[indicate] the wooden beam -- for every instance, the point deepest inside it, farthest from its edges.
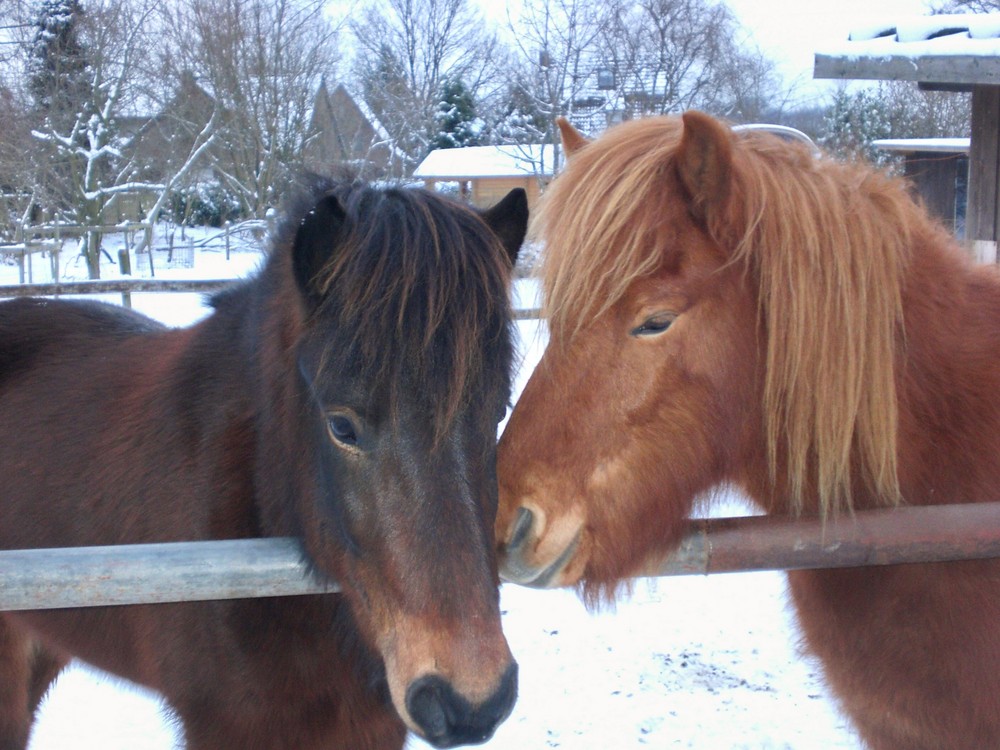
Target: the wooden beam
(111, 286)
(963, 70)
(983, 212)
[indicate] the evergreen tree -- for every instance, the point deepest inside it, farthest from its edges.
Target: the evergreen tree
(59, 76)
(521, 120)
(458, 123)
(853, 122)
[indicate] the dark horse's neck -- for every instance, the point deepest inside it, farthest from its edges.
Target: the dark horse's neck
(248, 407)
(251, 397)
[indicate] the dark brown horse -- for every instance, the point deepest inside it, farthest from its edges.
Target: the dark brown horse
(348, 396)
(727, 308)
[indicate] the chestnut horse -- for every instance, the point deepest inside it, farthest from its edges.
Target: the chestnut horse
(726, 308)
(349, 396)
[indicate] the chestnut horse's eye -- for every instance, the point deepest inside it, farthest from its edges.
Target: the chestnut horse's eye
(656, 324)
(342, 430)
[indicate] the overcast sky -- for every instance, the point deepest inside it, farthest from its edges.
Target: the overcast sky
(791, 31)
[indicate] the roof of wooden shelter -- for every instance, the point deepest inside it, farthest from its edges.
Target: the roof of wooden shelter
(949, 51)
(955, 50)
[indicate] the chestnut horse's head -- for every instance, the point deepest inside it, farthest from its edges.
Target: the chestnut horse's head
(402, 358)
(723, 308)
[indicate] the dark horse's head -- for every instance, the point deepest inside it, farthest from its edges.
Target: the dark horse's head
(401, 349)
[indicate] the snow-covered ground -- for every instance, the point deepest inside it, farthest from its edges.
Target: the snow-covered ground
(701, 662)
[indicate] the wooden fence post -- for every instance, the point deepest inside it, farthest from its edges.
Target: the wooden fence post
(983, 212)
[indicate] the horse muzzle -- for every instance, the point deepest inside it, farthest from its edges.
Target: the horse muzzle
(521, 560)
(446, 719)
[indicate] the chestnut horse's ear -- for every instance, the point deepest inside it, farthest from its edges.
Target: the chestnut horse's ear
(319, 232)
(509, 221)
(572, 139)
(704, 162)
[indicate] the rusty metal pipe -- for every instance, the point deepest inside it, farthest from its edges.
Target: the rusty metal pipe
(875, 537)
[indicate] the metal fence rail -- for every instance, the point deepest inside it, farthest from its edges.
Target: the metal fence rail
(245, 568)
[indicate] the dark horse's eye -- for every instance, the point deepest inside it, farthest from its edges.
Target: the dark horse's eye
(656, 324)
(342, 429)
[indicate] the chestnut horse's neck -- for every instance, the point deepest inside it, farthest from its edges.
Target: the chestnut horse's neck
(949, 377)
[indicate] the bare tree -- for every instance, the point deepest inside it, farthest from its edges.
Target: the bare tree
(913, 112)
(83, 164)
(672, 55)
(407, 50)
(261, 61)
(556, 41)
(598, 63)
(967, 6)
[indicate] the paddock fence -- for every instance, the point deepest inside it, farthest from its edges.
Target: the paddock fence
(163, 246)
(250, 568)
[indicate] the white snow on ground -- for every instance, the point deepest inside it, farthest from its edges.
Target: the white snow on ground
(699, 662)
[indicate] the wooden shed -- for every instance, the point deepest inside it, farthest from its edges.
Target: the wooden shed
(949, 52)
(485, 174)
(938, 170)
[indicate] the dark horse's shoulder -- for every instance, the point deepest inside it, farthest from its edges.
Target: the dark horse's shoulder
(47, 318)
(29, 326)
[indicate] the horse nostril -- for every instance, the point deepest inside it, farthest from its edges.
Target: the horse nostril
(426, 703)
(521, 529)
(447, 719)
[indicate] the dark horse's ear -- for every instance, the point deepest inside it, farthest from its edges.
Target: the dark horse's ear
(319, 232)
(509, 221)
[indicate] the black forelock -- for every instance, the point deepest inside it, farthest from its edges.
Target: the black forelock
(418, 291)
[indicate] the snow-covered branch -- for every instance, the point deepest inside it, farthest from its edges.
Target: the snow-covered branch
(201, 145)
(125, 187)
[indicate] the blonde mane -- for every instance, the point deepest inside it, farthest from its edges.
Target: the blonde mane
(825, 243)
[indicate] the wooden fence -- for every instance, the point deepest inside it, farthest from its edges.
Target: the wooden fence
(49, 238)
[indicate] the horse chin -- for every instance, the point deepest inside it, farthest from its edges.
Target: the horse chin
(543, 555)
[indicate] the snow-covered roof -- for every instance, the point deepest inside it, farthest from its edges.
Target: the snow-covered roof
(369, 114)
(931, 145)
(486, 161)
(961, 49)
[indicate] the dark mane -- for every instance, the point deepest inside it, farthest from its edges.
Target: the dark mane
(345, 396)
(413, 266)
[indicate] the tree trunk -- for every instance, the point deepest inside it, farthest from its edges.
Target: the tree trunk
(92, 251)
